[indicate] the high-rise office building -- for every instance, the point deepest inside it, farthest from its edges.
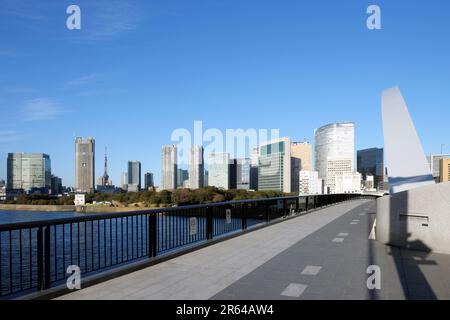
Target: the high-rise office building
(134, 176)
(445, 170)
(232, 172)
(334, 151)
(169, 167)
(254, 165)
(196, 167)
(149, 183)
(124, 181)
(206, 179)
(2, 183)
(371, 162)
(275, 166)
(301, 159)
(309, 183)
(303, 151)
(85, 165)
(28, 171)
(182, 178)
(243, 167)
(56, 185)
(219, 167)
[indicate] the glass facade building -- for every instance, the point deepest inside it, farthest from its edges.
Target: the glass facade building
(243, 167)
(371, 162)
(28, 171)
(274, 170)
(134, 176)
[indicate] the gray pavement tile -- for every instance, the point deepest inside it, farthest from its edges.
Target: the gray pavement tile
(294, 290)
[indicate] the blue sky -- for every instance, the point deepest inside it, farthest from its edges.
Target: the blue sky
(137, 70)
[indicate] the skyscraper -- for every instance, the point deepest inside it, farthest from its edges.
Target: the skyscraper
(182, 178)
(124, 182)
(335, 151)
(243, 174)
(149, 183)
(28, 171)
(254, 165)
(275, 166)
(169, 167)
(85, 165)
(301, 159)
(370, 162)
(134, 176)
(196, 167)
(218, 170)
(56, 185)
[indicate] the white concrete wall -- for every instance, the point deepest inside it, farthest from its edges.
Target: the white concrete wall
(416, 219)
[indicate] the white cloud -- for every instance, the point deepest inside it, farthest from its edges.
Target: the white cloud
(83, 80)
(9, 136)
(41, 109)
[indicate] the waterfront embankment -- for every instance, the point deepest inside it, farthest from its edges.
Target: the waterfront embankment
(37, 208)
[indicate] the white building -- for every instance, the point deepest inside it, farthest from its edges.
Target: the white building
(124, 181)
(348, 183)
(369, 183)
(335, 152)
(169, 167)
(2, 193)
(310, 183)
(196, 167)
(218, 170)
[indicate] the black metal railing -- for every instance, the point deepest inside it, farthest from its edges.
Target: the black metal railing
(36, 255)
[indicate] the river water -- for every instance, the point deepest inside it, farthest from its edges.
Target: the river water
(25, 216)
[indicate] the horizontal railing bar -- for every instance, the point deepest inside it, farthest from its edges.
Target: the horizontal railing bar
(106, 216)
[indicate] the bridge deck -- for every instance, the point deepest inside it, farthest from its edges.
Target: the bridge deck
(322, 255)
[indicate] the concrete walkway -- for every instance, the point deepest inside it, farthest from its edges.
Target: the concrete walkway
(322, 255)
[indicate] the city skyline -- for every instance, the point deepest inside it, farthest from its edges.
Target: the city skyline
(180, 64)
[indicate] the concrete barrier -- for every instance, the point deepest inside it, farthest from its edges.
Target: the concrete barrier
(416, 219)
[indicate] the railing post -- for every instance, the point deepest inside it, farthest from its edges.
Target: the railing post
(285, 208)
(152, 235)
(40, 258)
(209, 223)
(307, 204)
(297, 205)
(47, 267)
(244, 216)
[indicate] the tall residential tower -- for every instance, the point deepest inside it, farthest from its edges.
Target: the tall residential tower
(169, 167)
(196, 167)
(85, 165)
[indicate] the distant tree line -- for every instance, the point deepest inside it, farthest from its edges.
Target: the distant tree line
(165, 198)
